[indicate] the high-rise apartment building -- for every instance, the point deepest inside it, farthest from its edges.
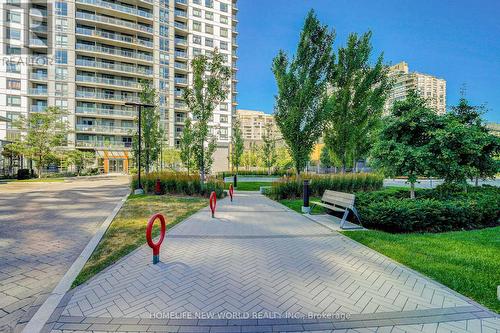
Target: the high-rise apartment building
(89, 56)
(430, 87)
(253, 126)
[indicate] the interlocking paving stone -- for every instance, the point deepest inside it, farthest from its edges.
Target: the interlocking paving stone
(256, 257)
(43, 229)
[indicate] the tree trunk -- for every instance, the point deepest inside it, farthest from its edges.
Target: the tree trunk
(412, 191)
(40, 168)
(476, 182)
(268, 170)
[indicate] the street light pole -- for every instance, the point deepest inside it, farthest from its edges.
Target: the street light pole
(139, 189)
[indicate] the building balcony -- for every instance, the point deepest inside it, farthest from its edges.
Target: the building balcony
(106, 96)
(39, 29)
(38, 12)
(104, 129)
(181, 42)
(111, 82)
(114, 21)
(117, 7)
(115, 67)
(181, 54)
(117, 52)
(181, 26)
(180, 13)
(181, 66)
(181, 2)
(103, 144)
(38, 92)
(180, 106)
(37, 42)
(38, 76)
(106, 112)
(38, 108)
(114, 36)
(181, 80)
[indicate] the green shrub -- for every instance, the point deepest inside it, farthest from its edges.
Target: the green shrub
(253, 173)
(179, 183)
(432, 211)
(292, 187)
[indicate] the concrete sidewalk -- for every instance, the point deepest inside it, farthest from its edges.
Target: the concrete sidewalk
(259, 267)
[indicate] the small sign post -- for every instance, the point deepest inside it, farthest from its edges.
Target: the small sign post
(213, 203)
(149, 230)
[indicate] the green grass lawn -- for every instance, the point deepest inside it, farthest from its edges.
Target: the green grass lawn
(128, 230)
(249, 186)
(34, 180)
(296, 205)
(465, 261)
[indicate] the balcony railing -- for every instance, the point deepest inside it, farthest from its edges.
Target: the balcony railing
(181, 54)
(38, 91)
(115, 67)
(104, 19)
(180, 13)
(38, 42)
(179, 105)
(180, 25)
(112, 82)
(182, 2)
(106, 112)
(102, 144)
(106, 96)
(104, 129)
(180, 65)
(39, 76)
(180, 80)
(117, 7)
(180, 41)
(118, 52)
(113, 36)
(38, 108)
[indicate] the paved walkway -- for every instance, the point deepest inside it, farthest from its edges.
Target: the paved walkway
(43, 229)
(259, 267)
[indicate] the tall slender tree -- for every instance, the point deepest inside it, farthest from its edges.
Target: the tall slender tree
(237, 145)
(210, 87)
(186, 146)
(301, 102)
(357, 97)
(269, 148)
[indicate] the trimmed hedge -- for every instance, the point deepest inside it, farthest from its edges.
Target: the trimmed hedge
(179, 183)
(292, 187)
(432, 211)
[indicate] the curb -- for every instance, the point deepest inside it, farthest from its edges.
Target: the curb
(38, 321)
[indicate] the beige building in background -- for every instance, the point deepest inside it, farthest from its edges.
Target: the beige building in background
(253, 126)
(429, 87)
(88, 57)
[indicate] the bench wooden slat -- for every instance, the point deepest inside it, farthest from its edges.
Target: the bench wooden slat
(340, 202)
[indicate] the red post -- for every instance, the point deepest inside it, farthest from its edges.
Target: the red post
(231, 191)
(149, 230)
(213, 202)
(158, 187)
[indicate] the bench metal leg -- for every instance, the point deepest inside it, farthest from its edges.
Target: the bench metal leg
(344, 218)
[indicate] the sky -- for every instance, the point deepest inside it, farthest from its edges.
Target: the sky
(456, 40)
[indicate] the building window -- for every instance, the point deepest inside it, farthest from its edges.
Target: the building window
(164, 30)
(61, 57)
(62, 103)
(14, 84)
(61, 8)
(209, 3)
(209, 16)
(197, 2)
(12, 116)
(13, 67)
(223, 19)
(209, 29)
(13, 100)
(61, 89)
(196, 39)
(223, 32)
(196, 12)
(196, 26)
(61, 73)
(223, 7)
(196, 51)
(13, 50)
(223, 118)
(61, 24)
(13, 33)
(13, 16)
(223, 45)
(209, 42)
(61, 41)
(223, 133)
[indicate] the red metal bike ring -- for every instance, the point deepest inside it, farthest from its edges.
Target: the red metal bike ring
(213, 202)
(231, 191)
(149, 230)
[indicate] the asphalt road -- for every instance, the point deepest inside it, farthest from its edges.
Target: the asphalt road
(43, 229)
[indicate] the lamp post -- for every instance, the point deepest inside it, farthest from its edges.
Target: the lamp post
(139, 189)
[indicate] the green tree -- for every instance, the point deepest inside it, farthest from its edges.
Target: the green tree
(237, 145)
(42, 133)
(283, 159)
(357, 97)
(171, 158)
(78, 159)
(403, 147)
(301, 102)
(210, 87)
(151, 132)
(325, 158)
(269, 148)
(187, 146)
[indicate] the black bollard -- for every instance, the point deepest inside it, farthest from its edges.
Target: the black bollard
(305, 195)
(235, 181)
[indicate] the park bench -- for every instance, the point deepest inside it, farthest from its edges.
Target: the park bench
(339, 202)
